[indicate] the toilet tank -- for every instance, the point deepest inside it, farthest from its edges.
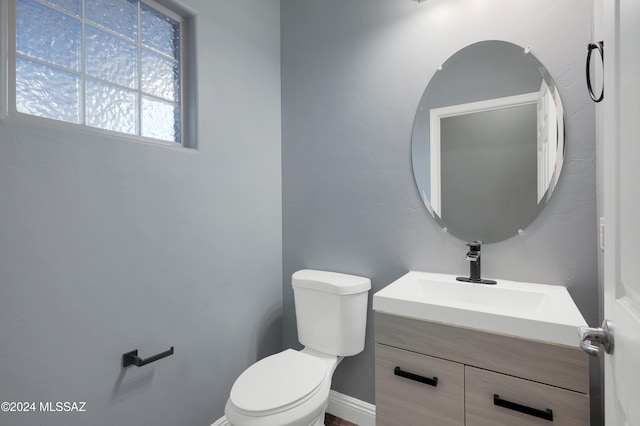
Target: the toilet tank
(331, 311)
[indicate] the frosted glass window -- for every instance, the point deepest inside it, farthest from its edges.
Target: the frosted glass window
(111, 58)
(160, 76)
(160, 32)
(48, 35)
(71, 6)
(47, 92)
(119, 16)
(111, 107)
(117, 68)
(159, 119)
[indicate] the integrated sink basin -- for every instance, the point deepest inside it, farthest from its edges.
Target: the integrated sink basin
(532, 311)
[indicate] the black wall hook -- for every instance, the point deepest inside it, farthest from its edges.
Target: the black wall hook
(132, 358)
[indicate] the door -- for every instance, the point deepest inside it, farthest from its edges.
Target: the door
(622, 210)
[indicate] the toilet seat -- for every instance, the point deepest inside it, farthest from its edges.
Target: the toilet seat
(278, 383)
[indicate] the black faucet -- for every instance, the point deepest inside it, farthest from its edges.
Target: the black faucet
(473, 256)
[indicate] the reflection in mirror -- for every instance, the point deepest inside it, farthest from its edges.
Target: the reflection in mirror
(488, 141)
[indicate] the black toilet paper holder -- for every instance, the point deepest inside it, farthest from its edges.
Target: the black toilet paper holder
(132, 358)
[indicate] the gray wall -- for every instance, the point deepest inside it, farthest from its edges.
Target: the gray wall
(353, 73)
(108, 245)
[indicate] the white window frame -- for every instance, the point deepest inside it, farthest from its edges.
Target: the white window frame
(5, 31)
(8, 109)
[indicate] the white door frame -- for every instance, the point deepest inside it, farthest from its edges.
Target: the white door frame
(437, 114)
(621, 203)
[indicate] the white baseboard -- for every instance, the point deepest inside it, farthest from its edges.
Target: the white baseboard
(351, 409)
(340, 405)
(222, 421)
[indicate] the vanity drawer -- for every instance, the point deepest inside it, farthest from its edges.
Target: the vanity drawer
(483, 408)
(563, 366)
(404, 401)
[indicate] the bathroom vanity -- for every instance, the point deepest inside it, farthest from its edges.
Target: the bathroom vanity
(440, 360)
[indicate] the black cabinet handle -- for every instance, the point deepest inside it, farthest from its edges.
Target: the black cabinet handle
(543, 414)
(426, 380)
(132, 358)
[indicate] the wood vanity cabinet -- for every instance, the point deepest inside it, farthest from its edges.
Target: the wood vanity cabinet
(435, 374)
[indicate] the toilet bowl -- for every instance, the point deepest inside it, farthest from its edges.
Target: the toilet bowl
(291, 388)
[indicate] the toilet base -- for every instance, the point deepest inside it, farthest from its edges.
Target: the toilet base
(290, 418)
(224, 422)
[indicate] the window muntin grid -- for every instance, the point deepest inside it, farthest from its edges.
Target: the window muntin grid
(110, 64)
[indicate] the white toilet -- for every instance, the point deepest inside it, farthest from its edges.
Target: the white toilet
(291, 388)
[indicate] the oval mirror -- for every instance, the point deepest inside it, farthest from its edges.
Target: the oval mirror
(488, 141)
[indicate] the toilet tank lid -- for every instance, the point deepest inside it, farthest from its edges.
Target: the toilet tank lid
(330, 282)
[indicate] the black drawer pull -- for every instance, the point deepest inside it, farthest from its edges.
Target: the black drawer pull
(427, 381)
(546, 414)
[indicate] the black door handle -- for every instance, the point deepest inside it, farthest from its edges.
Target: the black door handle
(542, 414)
(426, 380)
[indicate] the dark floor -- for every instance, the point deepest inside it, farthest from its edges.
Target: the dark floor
(330, 420)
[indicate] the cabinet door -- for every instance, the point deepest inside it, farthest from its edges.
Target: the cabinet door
(404, 399)
(494, 399)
